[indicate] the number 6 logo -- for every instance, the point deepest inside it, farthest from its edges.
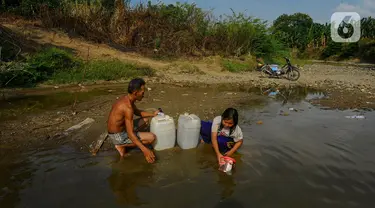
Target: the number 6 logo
(345, 27)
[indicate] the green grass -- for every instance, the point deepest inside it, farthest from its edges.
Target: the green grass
(236, 66)
(281, 61)
(57, 66)
(107, 70)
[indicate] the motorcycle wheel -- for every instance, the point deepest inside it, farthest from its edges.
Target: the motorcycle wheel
(293, 74)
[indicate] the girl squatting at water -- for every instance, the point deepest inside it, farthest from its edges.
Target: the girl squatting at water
(224, 133)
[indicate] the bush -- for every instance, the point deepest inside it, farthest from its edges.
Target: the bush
(367, 50)
(173, 29)
(184, 29)
(59, 66)
(50, 61)
(236, 66)
(102, 70)
(37, 68)
(33, 7)
(16, 74)
(332, 48)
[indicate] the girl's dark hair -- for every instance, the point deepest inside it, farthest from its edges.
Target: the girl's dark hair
(230, 113)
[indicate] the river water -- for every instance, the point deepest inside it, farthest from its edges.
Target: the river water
(307, 157)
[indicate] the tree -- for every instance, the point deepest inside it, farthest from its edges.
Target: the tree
(293, 30)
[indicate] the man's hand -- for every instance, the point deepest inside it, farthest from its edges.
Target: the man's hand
(156, 113)
(149, 155)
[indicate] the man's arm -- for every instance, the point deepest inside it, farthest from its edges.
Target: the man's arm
(142, 113)
(130, 129)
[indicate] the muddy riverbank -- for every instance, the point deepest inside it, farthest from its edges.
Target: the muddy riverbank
(33, 118)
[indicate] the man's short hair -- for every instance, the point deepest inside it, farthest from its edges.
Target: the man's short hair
(135, 84)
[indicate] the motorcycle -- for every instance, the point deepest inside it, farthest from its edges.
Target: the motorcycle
(288, 71)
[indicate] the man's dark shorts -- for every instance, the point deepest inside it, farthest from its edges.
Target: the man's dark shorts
(122, 138)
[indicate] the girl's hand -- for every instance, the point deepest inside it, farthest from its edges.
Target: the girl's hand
(220, 158)
(229, 153)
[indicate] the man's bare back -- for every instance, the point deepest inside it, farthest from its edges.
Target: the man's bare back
(116, 120)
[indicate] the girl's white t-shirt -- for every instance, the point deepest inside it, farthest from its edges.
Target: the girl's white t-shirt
(236, 134)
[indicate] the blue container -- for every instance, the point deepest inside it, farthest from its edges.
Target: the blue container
(274, 67)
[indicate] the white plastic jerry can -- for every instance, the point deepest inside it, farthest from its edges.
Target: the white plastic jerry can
(164, 128)
(188, 131)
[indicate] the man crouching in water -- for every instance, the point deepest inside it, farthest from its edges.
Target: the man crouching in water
(121, 128)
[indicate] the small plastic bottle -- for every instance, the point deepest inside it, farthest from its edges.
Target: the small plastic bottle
(227, 165)
(161, 113)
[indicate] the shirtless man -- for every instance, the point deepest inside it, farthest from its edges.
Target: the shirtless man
(121, 128)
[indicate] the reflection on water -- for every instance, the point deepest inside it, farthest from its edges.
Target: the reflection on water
(309, 158)
(293, 94)
(127, 177)
(15, 175)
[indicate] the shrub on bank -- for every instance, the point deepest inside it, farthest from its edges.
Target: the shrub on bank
(55, 65)
(107, 70)
(237, 66)
(171, 29)
(367, 50)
